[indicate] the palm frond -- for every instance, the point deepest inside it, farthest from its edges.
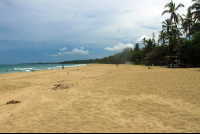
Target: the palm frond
(195, 5)
(180, 5)
(168, 5)
(196, 0)
(166, 11)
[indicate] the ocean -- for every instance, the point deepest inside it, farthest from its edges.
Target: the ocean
(33, 67)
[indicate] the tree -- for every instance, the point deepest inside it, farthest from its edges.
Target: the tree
(188, 21)
(153, 37)
(190, 51)
(184, 25)
(168, 28)
(125, 55)
(162, 37)
(136, 48)
(144, 41)
(195, 6)
(172, 11)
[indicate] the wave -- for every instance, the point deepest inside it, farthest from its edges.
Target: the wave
(35, 67)
(23, 68)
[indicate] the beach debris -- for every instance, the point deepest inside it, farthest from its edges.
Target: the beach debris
(59, 86)
(68, 73)
(149, 68)
(77, 69)
(151, 81)
(13, 102)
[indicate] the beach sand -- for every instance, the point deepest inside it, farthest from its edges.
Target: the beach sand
(101, 98)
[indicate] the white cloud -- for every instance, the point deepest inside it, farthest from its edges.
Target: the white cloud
(53, 55)
(46, 54)
(120, 47)
(63, 49)
(141, 38)
(60, 53)
(75, 51)
(146, 37)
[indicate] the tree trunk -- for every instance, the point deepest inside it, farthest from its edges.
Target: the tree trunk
(189, 33)
(178, 35)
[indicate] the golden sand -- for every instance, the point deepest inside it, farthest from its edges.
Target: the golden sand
(101, 98)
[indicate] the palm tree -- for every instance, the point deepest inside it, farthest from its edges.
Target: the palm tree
(167, 25)
(169, 29)
(195, 6)
(153, 37)
(137, 47)
(172, 10)
(162, 37)
(184, 25)
(188, 21)
(149, 45)
(144, 41)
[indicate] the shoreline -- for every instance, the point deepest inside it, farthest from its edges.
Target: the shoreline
(101, 98)
(33, 67)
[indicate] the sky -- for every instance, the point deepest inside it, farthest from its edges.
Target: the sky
(33, 31)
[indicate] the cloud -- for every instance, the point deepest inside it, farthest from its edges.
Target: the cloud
(147, 38)
(46, 54)
(75, 51)
(63, 49)
(60, 53)
(54, 55)
(141, 38)
(120, 47)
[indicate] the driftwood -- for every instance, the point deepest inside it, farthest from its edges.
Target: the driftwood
(13, 102)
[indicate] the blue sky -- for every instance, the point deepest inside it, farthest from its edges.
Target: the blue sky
(61, 30)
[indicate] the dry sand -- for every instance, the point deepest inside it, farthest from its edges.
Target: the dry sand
(101, 98)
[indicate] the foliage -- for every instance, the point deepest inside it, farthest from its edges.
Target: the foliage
(189, 52)
(81, 61)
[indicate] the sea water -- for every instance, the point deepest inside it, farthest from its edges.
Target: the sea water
(33, 67)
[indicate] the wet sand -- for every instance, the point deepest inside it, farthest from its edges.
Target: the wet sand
(101, 98)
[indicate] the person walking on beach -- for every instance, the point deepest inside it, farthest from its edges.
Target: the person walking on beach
(62, 66)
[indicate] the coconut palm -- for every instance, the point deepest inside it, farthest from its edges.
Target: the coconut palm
(170, 34)
(195, 6)
(137, 47)
(166, 27)
(184, 25)
(188, 21)
(144, 41)
(172, 11)
(153, 37)
(162, 37)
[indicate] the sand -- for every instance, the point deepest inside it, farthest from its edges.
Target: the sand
(101, 98)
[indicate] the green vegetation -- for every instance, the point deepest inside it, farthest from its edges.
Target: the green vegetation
(179, 37)
(81, 61)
